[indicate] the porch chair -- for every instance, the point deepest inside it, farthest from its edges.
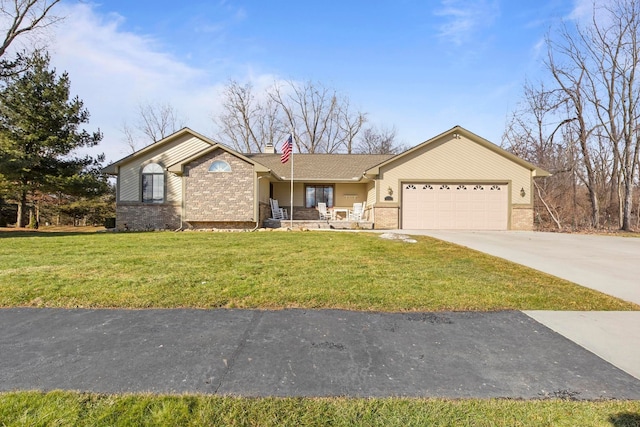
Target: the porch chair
(324, 213)
(355, 214)
(276, 211)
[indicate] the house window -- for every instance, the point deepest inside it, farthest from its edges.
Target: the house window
(318, 194)
(219, 166)
(153, 183)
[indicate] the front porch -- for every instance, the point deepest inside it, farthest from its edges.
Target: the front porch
(309, 218)
(318, 224)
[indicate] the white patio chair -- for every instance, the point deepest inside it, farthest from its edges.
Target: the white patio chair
(355, 214)
(276, 211)
(323, 212)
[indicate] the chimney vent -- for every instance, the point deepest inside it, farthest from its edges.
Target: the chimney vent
(269, 148)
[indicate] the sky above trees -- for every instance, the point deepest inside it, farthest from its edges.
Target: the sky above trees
(421, 66)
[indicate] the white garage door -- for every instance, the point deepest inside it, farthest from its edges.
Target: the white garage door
(455, 206)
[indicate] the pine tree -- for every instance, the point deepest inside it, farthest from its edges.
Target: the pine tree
(39, 129)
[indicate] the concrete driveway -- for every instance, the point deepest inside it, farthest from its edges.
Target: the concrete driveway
(608, 264)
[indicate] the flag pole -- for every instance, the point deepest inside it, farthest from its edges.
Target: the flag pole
(291, 195)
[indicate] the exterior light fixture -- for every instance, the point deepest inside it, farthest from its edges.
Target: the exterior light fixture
(522, 192)
(390, 194)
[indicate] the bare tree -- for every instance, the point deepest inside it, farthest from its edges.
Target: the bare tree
(321, 120)
(154, 122)
(374, 140)
(614, 49)
(350, 123)
(247, 123)
(570, 72)
(596, 68)
(593, 98)
(24, 16)
(531, 134)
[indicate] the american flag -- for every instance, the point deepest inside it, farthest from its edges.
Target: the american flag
(287, 148)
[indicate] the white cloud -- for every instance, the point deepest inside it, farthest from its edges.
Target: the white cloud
(113, 71)
(464, 18)
(582, 9)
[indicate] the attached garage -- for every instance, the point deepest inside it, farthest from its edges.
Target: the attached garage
(454, 181)
(455, 206)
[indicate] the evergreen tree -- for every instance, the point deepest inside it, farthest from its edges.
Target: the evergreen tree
(39, 130)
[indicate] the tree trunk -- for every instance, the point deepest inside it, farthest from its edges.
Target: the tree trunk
(595, 207)
(628, 203)
(22, 210)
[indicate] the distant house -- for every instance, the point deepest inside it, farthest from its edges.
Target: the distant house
(455, 180)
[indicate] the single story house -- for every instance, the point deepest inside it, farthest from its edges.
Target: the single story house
(455, 180)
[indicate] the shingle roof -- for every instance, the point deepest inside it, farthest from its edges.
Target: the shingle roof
(321, 167)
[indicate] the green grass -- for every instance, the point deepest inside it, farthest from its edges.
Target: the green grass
(356, 271)
(278, 270)
(79, 409)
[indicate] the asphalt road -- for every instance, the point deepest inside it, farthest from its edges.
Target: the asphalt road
(300, 353)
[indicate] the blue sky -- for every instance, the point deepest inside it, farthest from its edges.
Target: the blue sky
(421, 66)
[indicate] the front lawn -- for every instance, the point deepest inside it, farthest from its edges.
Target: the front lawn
(355, 271)
(84, 409)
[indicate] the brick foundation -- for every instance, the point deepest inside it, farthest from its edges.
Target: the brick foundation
(522, 218)
(386, 217)
(147, 216)
(212, 225)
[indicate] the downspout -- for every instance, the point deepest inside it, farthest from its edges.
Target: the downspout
(257, 208)
(182, 203)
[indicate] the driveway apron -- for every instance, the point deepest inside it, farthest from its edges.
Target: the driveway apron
(608, 264)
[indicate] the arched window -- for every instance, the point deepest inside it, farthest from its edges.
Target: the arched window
(219, 166)
(153, 183)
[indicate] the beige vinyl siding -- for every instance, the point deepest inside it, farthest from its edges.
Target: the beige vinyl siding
(263, 190)
(456, 160)
(345, 195)
(371, 193)
(282, 193)
(174, 187)
(165, 155)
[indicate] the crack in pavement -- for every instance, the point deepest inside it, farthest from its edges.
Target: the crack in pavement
(251, 327)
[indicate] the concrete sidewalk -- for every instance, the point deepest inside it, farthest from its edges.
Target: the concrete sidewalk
(300, 353)
(611, 335)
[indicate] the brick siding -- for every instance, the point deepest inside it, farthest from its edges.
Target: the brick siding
(522, 218)
(147, 216)
(219, 197)
(386, 217)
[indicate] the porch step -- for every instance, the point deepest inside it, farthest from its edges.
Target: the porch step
(318, 224)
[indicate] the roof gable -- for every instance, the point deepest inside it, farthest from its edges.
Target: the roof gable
(177, 167)
(375, 170)
(184, 132)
